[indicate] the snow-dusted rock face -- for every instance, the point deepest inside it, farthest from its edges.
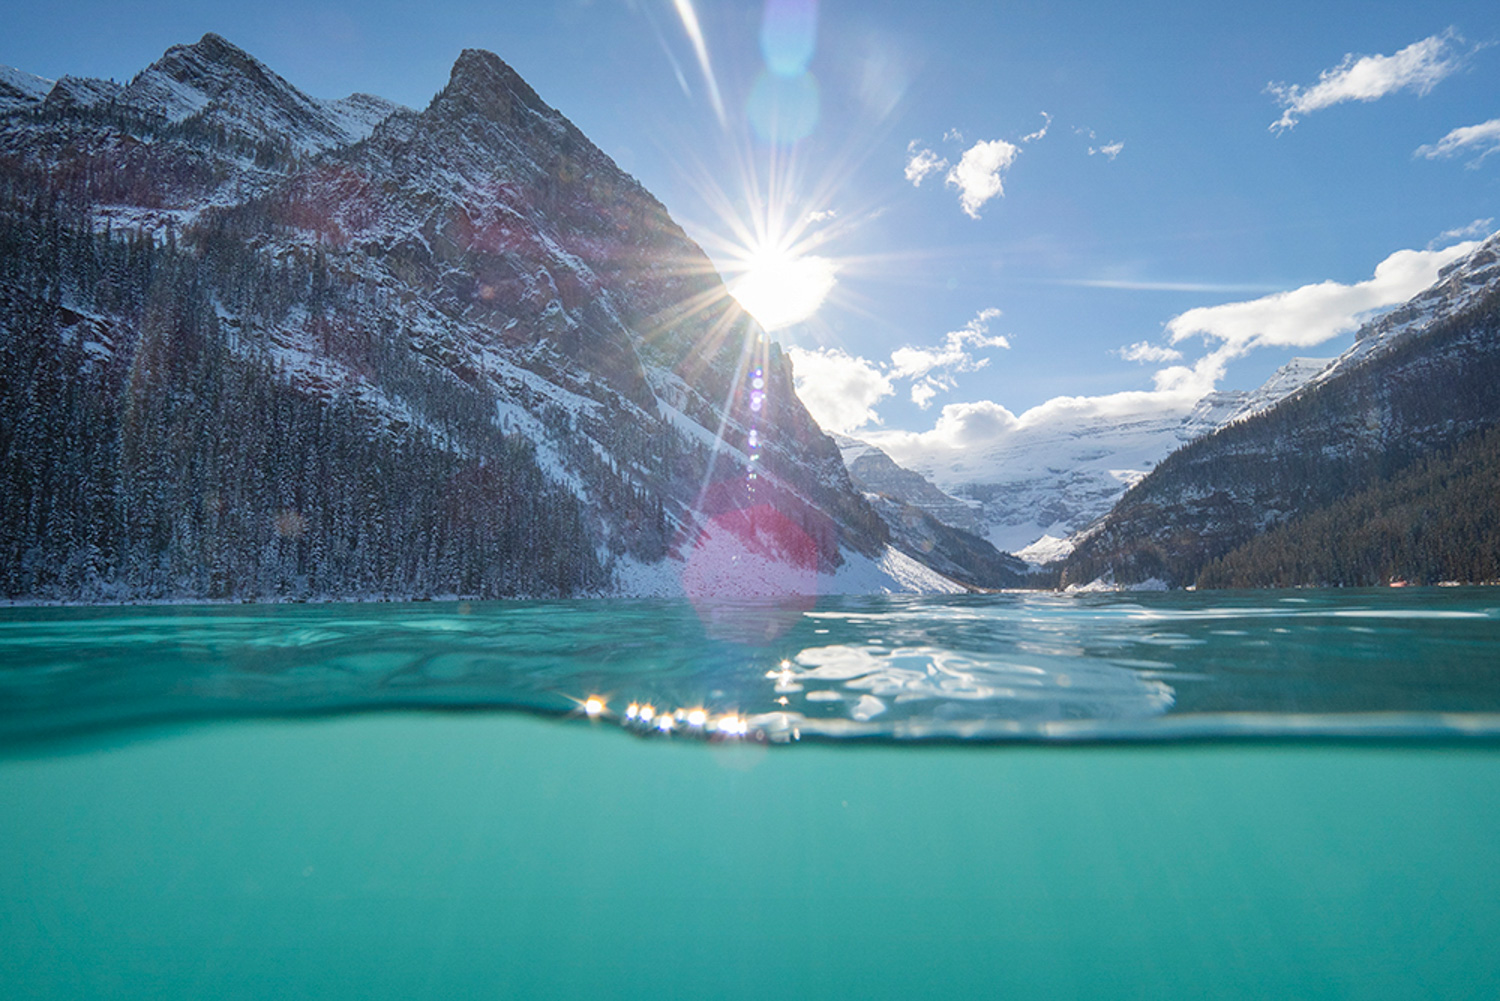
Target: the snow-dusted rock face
(20, 90)
(1459, 286)
(1418, 381)
(873, 471)
(220, 86)
(363, 349)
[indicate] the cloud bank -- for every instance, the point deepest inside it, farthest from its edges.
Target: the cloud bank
(1419, 67)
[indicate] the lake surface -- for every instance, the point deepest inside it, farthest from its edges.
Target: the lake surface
(1248, 795)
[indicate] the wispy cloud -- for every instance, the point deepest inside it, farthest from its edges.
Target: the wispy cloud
(1129, 285)
(821, 215)
(1482, 139)
(1041, 132)
(978, 175)
(1478, 228)
(1418, 67)
(933, 368)
(1145, 351)
(922, 162)
(1110, 150)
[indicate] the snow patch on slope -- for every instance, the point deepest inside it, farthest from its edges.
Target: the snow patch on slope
(891, 572)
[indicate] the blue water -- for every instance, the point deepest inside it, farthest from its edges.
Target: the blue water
(194, 802)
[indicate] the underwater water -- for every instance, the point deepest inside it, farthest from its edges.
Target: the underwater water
(1247, 795)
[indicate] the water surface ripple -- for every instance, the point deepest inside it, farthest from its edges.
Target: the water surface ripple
(1405, 664)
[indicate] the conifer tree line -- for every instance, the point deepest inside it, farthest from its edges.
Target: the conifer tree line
(150, 447)
(1437, 521)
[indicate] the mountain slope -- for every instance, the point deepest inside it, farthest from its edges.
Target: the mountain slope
(255, 344)
(1420, 381)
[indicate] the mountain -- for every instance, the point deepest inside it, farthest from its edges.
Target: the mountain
(258, 344)
(1308, 492)
(926, 523)
(1055, 471)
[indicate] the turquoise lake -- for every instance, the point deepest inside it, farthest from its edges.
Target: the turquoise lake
(1185, 795)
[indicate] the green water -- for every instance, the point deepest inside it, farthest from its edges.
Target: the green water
(245, 853)
(422, 856)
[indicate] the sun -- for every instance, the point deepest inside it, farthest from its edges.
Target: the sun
(780, 287)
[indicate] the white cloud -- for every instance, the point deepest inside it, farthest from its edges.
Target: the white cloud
(954, 355)
(977, 176)
(1041, 132)
(1110, 150)
(823, 215)
(1419, 67)
(1478, 228)
(1146, 351)
(921, 163)
(1314, 313)
(1483, 139)
(839, 389)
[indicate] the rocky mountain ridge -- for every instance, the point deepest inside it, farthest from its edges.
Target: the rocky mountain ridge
(1420, 385)
(205, 268)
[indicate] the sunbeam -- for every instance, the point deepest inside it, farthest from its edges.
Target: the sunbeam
(694, 31)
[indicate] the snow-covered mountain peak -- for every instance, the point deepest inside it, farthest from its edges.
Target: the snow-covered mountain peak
(481, 83)
(220, 85)
(1459, 286)
(20, 90)
(1052, 475)
(548, 373)
(187, 78)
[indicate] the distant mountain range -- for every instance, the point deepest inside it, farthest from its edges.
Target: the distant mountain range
(1047, 481)
(255, 344)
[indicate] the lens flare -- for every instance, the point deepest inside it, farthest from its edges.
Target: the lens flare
(780, 287)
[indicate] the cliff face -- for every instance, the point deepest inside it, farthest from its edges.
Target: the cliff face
(256, 343)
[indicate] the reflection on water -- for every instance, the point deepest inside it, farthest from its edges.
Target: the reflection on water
(1016, 666)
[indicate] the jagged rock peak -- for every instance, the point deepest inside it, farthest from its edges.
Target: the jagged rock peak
(214, 57)
(80, 92)
(481, 83)
(19, 89)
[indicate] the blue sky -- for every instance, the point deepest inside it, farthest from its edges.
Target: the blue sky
(1141, 178)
